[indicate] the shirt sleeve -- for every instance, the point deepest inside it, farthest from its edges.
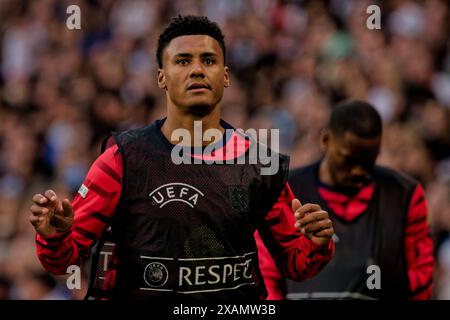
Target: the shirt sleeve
(94, 207)
(294, 254)
(419, 248)
(271, 274)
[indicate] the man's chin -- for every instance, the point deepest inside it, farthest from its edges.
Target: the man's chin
(200, 110)
(349, 190)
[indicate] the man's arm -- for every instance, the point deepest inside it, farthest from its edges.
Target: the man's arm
(419, 248)
(94, 207)
(298, 255)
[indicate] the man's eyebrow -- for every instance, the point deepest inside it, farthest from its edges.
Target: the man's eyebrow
(190, 55)
(183, 55)
(208, 54)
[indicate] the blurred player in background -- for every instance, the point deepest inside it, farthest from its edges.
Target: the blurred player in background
(379, 216)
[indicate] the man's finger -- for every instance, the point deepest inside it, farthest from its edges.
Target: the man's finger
(318, 215)
(51, 195)
(317, 226)
(34, 220)
(38, 210)
(328, 233)
(309, 207)
(39, 199)
(67, 208)
(296, 204)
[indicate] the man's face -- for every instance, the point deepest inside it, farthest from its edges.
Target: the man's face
(350, 158)
(193, 73)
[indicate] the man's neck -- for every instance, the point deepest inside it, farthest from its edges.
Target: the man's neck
(177, 119)
(324, 173)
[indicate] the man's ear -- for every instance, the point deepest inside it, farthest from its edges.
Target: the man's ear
(324, 139)
(226, 78)
(162, 79)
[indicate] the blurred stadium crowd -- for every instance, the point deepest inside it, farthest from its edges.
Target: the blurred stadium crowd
(62, 90)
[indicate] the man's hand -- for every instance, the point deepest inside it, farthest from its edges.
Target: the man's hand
(49, 215)
(312, 221)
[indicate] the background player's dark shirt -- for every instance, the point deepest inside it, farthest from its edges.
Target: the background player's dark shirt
(418, 243)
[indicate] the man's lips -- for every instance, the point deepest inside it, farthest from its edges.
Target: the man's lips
(199, 87)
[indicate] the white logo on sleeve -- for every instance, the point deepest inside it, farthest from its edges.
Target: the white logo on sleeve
(83, 191)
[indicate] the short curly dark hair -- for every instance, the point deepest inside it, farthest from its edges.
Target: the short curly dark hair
(189, 25)
(358, 117)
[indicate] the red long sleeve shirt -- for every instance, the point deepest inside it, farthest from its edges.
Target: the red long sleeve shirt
(418, 243)
(95, 210)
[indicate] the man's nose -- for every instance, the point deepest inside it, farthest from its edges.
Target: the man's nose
(197, 70)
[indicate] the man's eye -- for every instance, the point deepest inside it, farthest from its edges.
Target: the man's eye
(182, 62)
(209, 61)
